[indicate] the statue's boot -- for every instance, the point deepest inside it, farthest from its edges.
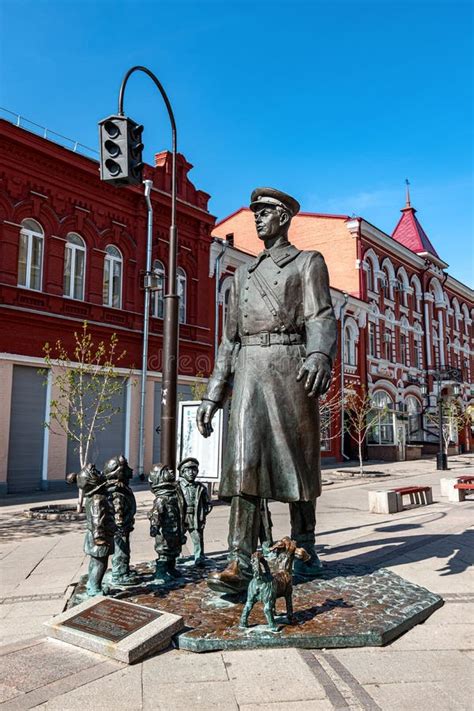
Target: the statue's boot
(307, 569)
(233, 580)
(171, 569)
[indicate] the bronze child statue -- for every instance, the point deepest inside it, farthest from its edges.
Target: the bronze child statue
(118, 474)
(100, 527)
(267, 588)
(166, 522)
(197, 506)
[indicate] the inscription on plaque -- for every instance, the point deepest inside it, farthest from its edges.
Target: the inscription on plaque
(112, 619)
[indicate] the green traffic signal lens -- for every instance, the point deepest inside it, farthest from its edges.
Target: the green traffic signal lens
(113, 167)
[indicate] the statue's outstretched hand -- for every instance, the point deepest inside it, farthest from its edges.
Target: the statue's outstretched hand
(204, 416)
(317, 369)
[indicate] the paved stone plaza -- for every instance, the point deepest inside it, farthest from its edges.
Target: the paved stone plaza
(429, 667)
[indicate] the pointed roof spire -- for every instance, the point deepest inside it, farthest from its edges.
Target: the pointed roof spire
(409, 232)
(408, 203)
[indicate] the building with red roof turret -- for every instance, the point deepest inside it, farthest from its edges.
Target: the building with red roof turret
(403, 320)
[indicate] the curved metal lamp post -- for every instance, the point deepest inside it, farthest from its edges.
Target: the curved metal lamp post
(170, 329)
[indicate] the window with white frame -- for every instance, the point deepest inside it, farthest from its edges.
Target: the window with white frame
(381, 429)
(414, 410)
(369, 273)
(182, 288)
(158, 295)
(350, 344)
(417, 351)
(112, 288)
(74, 266)
(403, 348)
(387, 344)
(371, 339)
(30, 255)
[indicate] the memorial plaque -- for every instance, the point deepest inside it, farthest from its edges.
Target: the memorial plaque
(112, 619)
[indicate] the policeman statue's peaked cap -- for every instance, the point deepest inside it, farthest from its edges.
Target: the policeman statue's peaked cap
(273, 197)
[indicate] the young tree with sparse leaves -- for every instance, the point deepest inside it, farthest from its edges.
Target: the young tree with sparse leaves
(86, 382)
(359, 414)
(454, 419)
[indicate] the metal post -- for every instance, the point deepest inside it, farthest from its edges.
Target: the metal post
(146, 324)
(170, 328)
(441, 457)
(343, 384)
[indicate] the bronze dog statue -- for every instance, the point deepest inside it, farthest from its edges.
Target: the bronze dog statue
(267, 588)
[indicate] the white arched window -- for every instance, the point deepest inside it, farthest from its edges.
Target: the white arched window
(112, 290)
(30, 255)
(417, 349)
(158, 295)
(414, 409)
(381, 428)
(74, 266)
(351, 336)
(372, 339)
(416, 284)
(369, 275)
(402, 279)
(181, 276)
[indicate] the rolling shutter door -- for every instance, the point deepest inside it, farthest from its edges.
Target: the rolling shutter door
(27, 431)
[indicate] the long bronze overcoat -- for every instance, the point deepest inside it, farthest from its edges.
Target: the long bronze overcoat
(273, 448)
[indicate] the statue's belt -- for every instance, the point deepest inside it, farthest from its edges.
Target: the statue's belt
(272, 339)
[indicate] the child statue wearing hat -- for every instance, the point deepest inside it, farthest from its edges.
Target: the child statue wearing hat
(197, 506)
(100, 526)
(118, 474)
(166, 521)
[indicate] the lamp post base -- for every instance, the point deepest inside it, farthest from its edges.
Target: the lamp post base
(441, 461)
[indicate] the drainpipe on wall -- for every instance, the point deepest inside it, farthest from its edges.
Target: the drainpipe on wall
(146, 322)
(342, 314)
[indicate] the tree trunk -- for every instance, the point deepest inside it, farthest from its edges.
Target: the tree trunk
(361, 466)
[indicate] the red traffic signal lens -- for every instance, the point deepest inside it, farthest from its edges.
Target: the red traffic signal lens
(112, 129)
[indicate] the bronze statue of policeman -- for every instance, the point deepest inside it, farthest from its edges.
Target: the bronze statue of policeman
(276, 353)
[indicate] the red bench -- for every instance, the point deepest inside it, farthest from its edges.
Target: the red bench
(420, 495)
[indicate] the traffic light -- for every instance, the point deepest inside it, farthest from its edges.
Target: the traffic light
(121, 148)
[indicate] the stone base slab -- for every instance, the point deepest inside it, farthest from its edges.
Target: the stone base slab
(347, 606)
(150, 634)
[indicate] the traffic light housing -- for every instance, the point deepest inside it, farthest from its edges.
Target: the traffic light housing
(121, 149)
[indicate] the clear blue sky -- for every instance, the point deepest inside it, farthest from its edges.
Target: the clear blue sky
(335, 102)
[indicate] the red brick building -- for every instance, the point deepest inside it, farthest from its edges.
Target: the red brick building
(404, 320)
(72, 249)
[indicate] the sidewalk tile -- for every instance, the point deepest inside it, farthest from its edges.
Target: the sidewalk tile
(422, 696)
(120, 691)
(276, 674)
(188, 696)
(174, 667)
(389, 666)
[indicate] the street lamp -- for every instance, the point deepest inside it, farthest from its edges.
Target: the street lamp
(443, 374)
(121, 165)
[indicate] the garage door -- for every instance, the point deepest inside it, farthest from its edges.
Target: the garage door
(27, 432)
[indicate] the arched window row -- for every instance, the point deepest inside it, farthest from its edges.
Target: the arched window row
(30, 270)
(158, 295)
